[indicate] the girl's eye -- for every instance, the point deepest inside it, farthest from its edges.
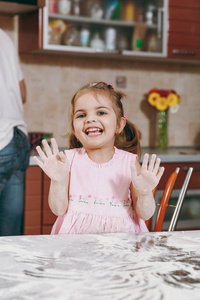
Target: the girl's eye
(100, 113)
(81, 116)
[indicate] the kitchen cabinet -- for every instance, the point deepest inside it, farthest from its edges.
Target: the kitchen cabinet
(172, 35)
(38, 218)
(142, 35)
(10, 7)
(33, 201)
(184, 29)
(31, 31)
(170, 167)
(48, 218)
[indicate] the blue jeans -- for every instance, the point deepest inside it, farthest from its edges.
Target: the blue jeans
(14, 160)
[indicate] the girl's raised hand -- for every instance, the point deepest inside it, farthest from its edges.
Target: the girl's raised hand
(149, 176)
(54, 163)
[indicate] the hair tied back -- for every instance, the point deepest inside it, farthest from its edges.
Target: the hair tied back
(110, 86)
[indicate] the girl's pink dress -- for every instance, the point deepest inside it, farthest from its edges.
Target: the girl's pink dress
(99, 196)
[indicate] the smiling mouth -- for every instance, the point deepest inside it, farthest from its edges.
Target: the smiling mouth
(93, 131)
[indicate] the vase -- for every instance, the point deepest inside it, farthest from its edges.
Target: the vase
(162, 139)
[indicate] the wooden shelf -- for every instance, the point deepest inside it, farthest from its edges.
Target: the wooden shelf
(88, 20)
(19, 7)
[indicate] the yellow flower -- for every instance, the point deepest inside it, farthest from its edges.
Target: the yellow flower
(172, 99)
(161, 103)
(152, 99)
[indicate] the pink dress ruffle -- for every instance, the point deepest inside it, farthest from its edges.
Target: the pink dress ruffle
(77, 222)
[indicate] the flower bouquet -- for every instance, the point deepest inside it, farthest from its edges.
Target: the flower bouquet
(163, 100)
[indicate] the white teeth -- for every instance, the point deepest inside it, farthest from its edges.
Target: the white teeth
(93, 131)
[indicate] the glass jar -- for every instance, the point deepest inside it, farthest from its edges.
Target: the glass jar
(76, 8)
(64, 7)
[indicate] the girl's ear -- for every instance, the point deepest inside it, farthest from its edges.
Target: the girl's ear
(121, 125)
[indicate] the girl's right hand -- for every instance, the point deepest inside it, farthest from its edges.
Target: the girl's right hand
(54, 163)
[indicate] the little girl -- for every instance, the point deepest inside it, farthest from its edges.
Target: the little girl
(95, 186)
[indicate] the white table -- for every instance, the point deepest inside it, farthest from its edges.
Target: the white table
(108, 266)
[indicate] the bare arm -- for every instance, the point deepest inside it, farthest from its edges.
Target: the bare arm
(144, 205)
(144, 180)
(55, 164)
(22, 87)
(58, 196)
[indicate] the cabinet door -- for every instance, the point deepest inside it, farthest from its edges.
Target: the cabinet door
(33, 201)
(170, 167)
(31, 31)
(184, 29)
(48, 218)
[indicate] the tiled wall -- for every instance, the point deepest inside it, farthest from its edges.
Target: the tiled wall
(52, 79)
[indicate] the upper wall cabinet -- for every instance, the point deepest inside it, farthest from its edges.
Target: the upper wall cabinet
(184, 29)
(106, 28)
(11, 7)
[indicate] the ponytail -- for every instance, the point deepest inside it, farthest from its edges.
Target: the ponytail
(74, 142)
(128, 139)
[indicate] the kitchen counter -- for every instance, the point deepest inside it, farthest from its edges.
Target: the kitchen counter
(156, 266)
(169, 155)
(175, 154)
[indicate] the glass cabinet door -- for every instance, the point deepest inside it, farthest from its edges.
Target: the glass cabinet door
(106, 27)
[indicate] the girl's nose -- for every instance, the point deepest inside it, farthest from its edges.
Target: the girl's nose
(90, 119)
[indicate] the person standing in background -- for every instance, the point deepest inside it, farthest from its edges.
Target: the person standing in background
(14, 145)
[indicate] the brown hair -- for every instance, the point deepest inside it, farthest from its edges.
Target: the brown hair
(128, 139)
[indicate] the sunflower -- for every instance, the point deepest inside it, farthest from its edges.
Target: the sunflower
(152, 99)
(161, 104)
(163, 99)
(172, 99)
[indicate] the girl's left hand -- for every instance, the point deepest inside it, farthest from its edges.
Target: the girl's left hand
(149, 176)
